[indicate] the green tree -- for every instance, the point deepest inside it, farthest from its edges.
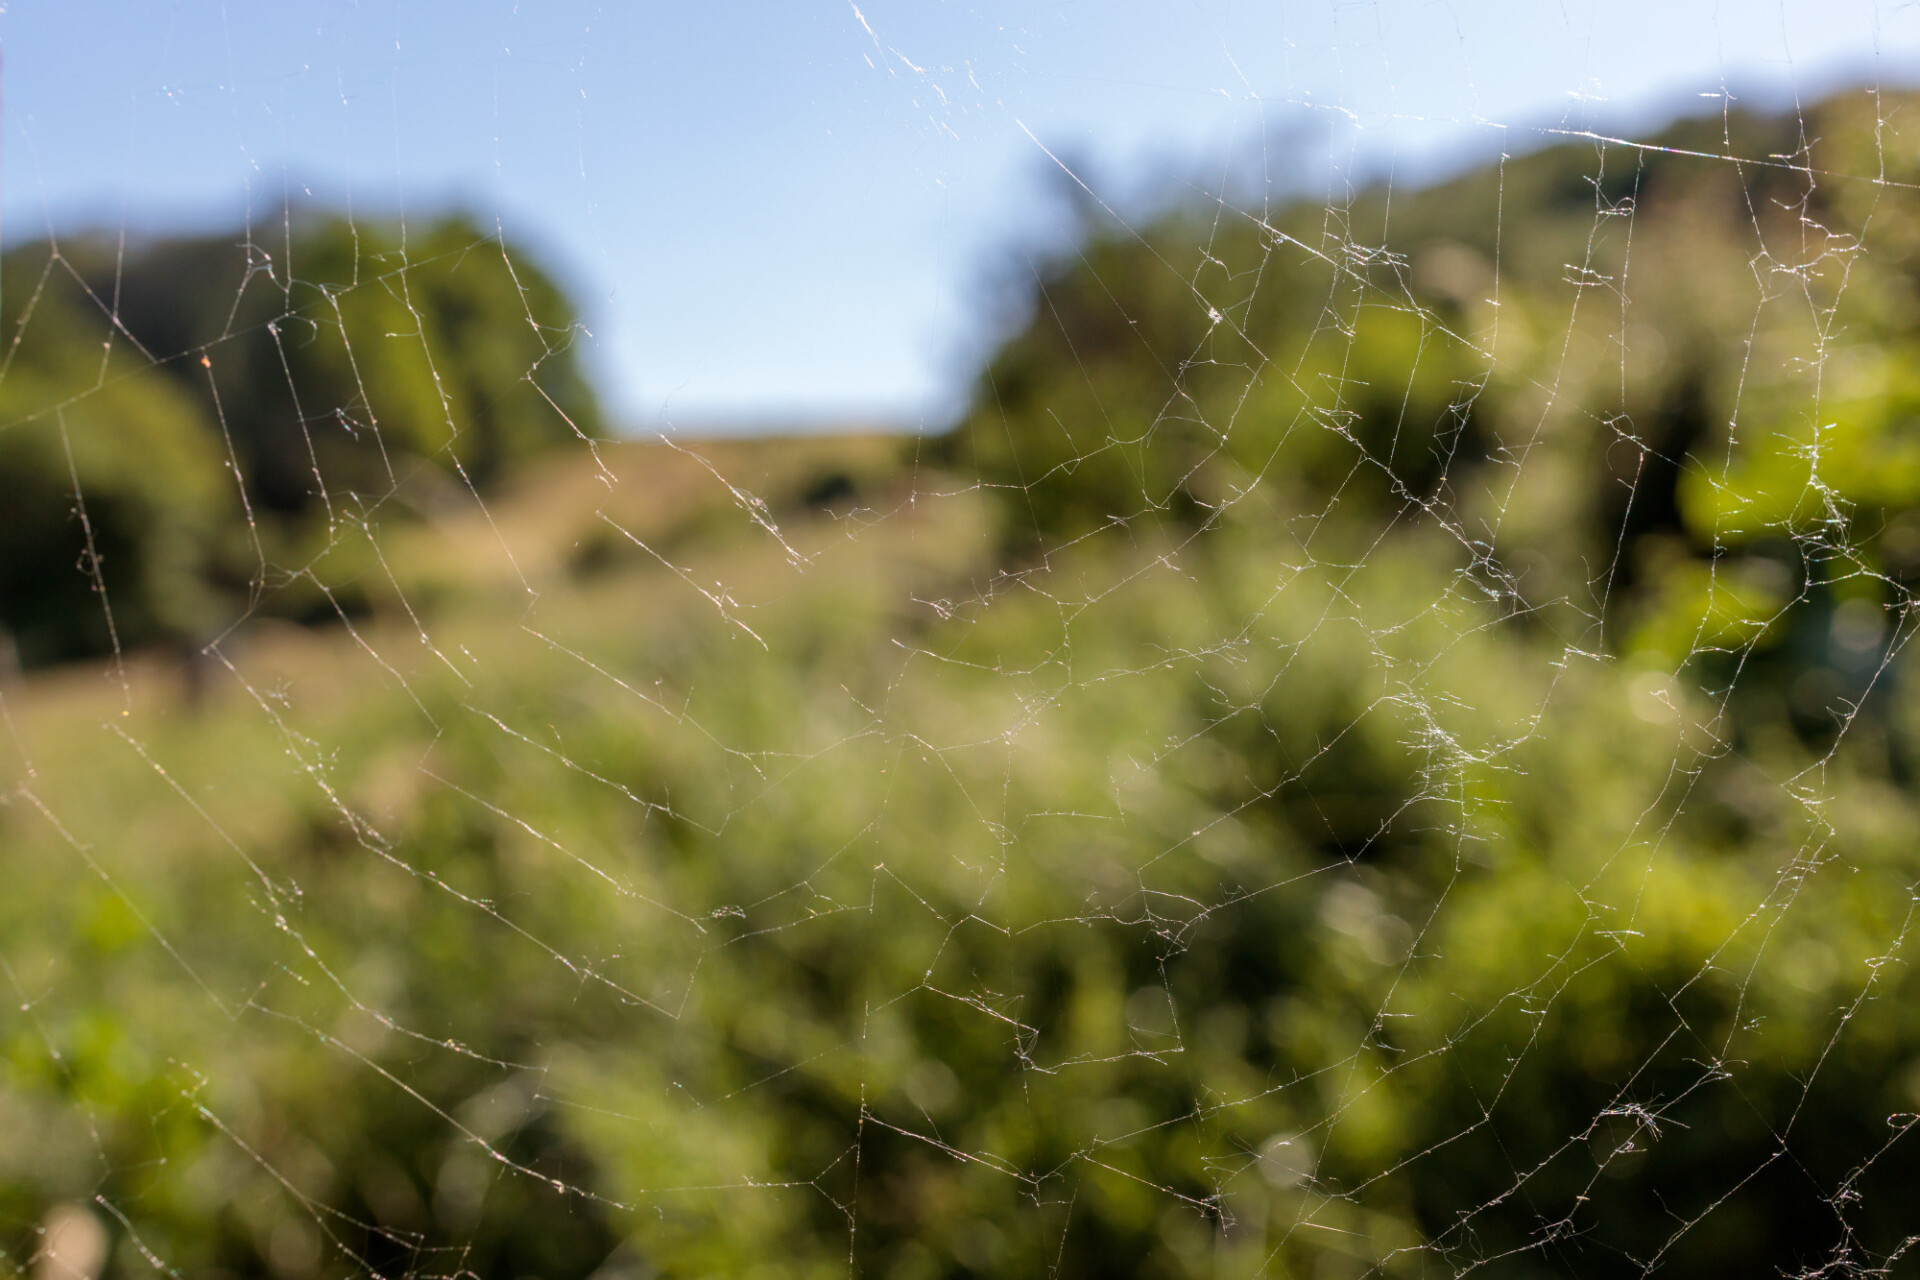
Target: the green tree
(353, 370)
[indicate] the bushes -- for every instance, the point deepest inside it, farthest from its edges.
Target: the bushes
(339, 371)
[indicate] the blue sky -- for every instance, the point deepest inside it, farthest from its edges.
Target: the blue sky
(789, 209)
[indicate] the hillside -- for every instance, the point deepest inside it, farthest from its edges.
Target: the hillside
(1380, 747)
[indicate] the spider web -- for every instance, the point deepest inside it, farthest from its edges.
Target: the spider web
(1376, 747)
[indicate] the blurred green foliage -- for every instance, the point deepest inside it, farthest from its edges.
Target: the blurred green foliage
(231, 401)
(1380, 747)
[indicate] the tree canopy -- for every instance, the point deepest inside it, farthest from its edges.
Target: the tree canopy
(223, 405)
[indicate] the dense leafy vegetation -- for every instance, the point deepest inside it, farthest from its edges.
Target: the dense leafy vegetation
(347, 371)
(1380, 746)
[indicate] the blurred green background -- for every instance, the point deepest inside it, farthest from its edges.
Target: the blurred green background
(1380, 746)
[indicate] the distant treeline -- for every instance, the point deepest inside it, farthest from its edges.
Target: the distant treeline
(1633, 323)
(189, 422)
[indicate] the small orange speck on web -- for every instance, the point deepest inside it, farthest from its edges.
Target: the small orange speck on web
(206, 362)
